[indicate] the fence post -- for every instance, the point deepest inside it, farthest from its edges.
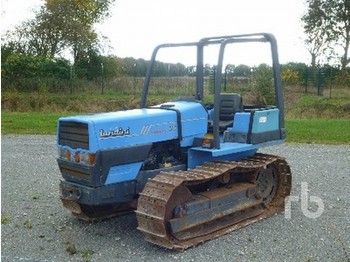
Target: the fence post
(212, 76)
(306, 78)
(71, 79)
(134, 79)
(331, 84)
(320, 81)
(102, 82)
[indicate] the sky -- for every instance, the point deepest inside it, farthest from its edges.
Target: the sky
(136, 27)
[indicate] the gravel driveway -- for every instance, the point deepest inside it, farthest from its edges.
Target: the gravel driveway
(35, 226)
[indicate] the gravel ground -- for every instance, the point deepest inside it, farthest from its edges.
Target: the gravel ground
(35, 226)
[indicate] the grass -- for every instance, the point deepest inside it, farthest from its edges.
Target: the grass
(29, 123)
(87, 255)
(71, 249)
(27, 224)
(323, 131)
(88, 103)
(309, 118)
(5, 219)
(310, 106)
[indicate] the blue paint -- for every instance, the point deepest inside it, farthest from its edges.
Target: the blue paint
(228, 151)
(144, 125)
(197, 157)
(123, 173)
(241, 122)
(265, 120)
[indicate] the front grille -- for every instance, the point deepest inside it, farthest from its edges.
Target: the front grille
(78, 172)
(74, 135)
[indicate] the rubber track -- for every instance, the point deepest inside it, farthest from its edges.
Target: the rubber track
(153, 202)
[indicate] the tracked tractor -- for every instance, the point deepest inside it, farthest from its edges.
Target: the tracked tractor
(191, 170)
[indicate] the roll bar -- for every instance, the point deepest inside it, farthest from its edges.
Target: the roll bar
(223, 41)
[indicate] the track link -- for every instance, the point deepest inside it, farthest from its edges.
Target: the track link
(168, 190)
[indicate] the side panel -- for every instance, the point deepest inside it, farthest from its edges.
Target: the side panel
(136, 127)
(193, 120)
(265, 126)
(265, 121)
(240, 130)
(254, 127)
(241, 122)
(198, 156)
(123, 173)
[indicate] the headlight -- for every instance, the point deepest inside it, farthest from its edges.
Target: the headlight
(81, 157)
(85, 158)
(64, 153)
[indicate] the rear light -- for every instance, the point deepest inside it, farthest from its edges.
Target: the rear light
(207, 141)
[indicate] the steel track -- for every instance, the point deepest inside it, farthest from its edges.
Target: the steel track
(170, 189)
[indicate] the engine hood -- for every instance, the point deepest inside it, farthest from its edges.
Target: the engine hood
(174, 120)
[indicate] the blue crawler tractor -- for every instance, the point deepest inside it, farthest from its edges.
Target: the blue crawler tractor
(191, 171)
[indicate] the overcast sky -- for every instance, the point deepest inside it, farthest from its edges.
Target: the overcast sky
(137, 26)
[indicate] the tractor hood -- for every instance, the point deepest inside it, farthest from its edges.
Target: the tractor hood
(174, 120)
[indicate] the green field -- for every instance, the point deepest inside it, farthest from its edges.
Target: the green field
(324, 131)
(28, 123)
(309, 118)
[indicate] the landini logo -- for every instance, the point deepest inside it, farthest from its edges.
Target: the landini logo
(119, 131)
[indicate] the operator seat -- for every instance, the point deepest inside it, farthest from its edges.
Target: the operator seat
(229, 105)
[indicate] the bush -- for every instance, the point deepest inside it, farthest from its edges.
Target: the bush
(27, 72)
(263, 85)
(290, 77)
(343, 79)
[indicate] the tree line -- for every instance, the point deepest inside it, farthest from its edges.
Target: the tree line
(26, 72)
(33, 54)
